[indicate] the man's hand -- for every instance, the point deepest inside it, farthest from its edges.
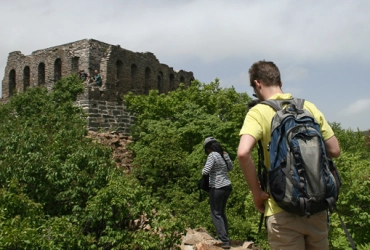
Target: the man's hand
(259, 200)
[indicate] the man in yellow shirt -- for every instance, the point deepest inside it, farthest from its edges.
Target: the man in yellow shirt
(285, 230)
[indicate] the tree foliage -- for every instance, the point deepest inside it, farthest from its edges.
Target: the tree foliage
(168, 135)
(353, 205)
(61, 190)
(169, 155)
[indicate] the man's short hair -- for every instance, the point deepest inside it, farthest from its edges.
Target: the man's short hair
(266, 72)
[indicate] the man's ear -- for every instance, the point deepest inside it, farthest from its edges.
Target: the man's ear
(257, 84)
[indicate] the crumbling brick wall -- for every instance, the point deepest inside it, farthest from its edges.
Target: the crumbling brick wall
(121, 70)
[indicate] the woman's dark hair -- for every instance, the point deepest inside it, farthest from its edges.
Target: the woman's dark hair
(215, 146)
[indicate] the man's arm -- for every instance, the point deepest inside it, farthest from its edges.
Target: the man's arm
(245, 148)
(332, 147)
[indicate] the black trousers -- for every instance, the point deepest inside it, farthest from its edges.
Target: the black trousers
(218, 199)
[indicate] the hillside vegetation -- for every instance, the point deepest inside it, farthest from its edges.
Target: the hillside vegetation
(62, 189)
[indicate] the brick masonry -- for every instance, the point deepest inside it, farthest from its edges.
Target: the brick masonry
(122, 71)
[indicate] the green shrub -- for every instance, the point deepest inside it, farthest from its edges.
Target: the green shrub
(61, 190)
(169, 156)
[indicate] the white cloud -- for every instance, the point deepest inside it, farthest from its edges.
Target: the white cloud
(209, 30)
(359, 107)
(289, 30)
(212, 38)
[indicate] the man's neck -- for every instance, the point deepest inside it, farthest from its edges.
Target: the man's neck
(271, 91)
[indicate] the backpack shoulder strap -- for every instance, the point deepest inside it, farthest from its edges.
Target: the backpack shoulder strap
(278, 104)
(273, 104)
(299, 103)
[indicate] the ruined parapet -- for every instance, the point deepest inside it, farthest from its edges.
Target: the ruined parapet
(121, 70)
(43, 67)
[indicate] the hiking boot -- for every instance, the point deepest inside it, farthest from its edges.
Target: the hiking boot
(225, 245)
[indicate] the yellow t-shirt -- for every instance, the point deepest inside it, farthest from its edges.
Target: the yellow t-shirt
(257, 123)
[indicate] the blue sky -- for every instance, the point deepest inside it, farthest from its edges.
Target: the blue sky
(321, 47)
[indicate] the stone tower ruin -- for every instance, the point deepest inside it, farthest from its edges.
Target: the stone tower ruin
(122, 71)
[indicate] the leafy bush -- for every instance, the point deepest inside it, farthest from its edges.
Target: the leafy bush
(44, 148)
(169, 156)
(353, 204)
(61, 190)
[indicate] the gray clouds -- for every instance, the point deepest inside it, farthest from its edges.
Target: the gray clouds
(319, 46)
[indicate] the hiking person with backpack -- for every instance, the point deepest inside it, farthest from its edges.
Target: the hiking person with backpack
(217, 166)
(298, 143)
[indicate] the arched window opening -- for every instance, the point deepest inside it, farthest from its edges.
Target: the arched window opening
(172, 82)
(41, 74)
(26, 78)
(75, 64)
(57, 70)
(182, 79)
(147, 80)
(119, 72)
(133, 77)
(160, 82)
(12, 82)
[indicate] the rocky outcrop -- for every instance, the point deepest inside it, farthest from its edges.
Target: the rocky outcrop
(199, 239)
